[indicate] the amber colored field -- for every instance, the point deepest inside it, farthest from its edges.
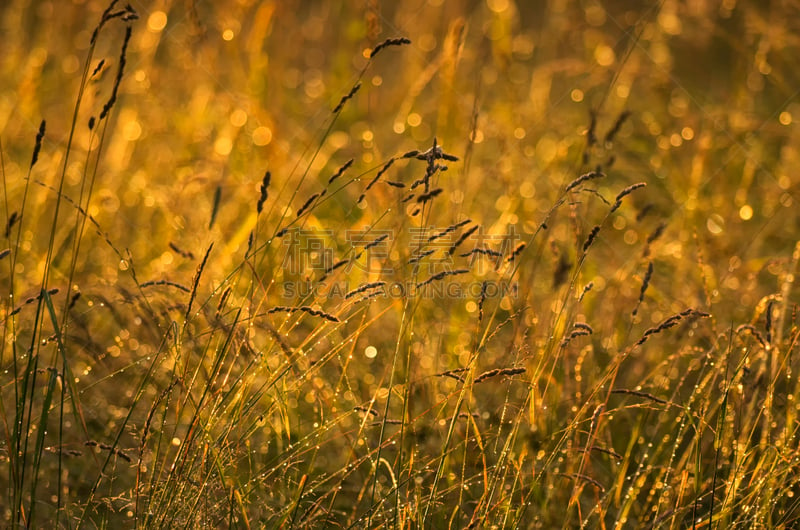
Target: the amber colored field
(418, 264)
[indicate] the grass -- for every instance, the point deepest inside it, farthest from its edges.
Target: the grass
(421, 265)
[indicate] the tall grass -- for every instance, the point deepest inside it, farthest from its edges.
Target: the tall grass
(429, 266)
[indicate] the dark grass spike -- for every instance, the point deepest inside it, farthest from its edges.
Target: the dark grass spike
(215, 206)
(498, 372)
(517, 252)
(453, 374)
(127, 14)
(408, 198)
(482, 300)
(74, 300)
(340, 171)
(363, 288)
(653, 237)
(195, 284)
(31, 300)
(12, 220)
(646, 209)
(641, 394)
(250, 240)
(338, 264)
(670, 322)
(305, 309)
(483, 252)
(223, 300)
(589, 286)
(395, 184)
(584, 326)
(120, 70)
(603, 450)
(263, 190)
(376, 242)
(176, 285)
(371, 412)
(591, 137)
(434, 153)
(440, 275)
(111, 449)
(658, 232)
(307, 204)
(387, 422)
(768, 321)
(753, 331)
(591, 175)
(645, 284)
(380, 173)
(461, 239)
(98, 67)
(411, 154)
(103, 19)
(91, 123)
(449, 229)
(590, 239)
(370, 296)
(388, 42)
(627, 191)
(573, 335)
(425, 197)
(37, 146)
(421, 256)
(616, 127)
(347, 97)
(183, 253)
(562, 269)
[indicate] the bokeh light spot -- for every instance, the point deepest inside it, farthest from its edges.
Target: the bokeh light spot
(157, 21)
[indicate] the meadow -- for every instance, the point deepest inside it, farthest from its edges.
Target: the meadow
(416, 264)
